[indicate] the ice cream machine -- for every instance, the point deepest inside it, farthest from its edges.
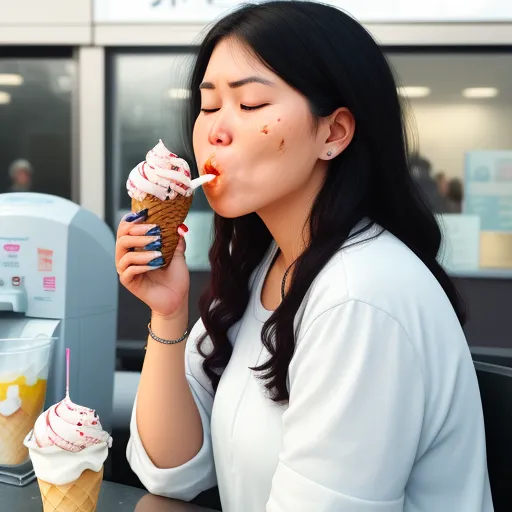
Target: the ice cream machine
(58, 280)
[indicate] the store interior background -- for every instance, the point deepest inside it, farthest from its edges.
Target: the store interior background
(146, 90)
(94, 97)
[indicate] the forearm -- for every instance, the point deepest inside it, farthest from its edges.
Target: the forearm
(168, 419)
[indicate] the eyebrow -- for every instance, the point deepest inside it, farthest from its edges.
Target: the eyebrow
(240, 83)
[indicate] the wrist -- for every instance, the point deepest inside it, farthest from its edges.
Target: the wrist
(179, 314)
(176, 323)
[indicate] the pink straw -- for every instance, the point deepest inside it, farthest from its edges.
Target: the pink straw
(67, 372)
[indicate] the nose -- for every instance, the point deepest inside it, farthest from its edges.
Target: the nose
(219, 134)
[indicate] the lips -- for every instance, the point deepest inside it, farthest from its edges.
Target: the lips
(210, 168)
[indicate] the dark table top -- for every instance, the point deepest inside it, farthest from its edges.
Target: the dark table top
(113, 498)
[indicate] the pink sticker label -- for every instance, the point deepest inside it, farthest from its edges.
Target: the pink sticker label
(49, 284)
(16, 281)
(12, 247)
(45, 260)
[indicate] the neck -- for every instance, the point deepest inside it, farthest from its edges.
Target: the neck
(288, 219)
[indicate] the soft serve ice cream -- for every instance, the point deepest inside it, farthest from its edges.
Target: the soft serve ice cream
(67, 439)
(68, 448)
(163, 175)
(162, 186)
(23, 374)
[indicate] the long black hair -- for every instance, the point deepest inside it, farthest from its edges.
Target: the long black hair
(333, 62)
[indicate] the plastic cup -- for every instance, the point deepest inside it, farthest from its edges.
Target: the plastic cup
(24, 366)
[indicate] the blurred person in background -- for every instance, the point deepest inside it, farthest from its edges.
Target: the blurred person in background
(455, 194)
(421, 170)
(20, 174)
(329, 370)
(442, 183)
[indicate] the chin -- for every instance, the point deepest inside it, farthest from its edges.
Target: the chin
(227, 209)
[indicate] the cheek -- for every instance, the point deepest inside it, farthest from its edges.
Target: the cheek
(285, 131)
(284, 137)
(270, 136)
(196, 135)
(200, 142)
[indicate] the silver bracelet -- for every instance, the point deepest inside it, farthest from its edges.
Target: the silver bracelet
(166, 342)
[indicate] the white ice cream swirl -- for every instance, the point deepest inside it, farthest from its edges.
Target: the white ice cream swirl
(67, 439)
(69, 426)
(163, 174)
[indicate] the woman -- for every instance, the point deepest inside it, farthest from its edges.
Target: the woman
(329, 370)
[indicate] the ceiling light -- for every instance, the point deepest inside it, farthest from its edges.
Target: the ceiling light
(5, 98)
(480, 92)
(413, 91)
(10, 79)
(179, 94)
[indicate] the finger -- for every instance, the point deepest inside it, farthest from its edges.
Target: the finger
(149, 243)
(151, 258)
(130, 273)
(128, 220)
(182, 230)
(137, 230)
(135, 216)
(180, 249)
(144, 230)
(182, 244)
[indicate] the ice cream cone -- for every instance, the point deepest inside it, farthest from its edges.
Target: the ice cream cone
(78, 496)
(168, 215)
(68, 448)
(13, 430)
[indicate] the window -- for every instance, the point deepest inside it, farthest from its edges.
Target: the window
(461, 107)
(36, 122)
(453, 125)
(146, 100)
(147, 103)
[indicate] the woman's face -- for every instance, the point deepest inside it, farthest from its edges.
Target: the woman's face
(257, 132)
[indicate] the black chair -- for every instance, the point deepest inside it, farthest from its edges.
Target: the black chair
(493, 355)
(496, 391)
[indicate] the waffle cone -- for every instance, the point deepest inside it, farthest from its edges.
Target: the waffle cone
(168, 215)
(78, 496)
(13, 430)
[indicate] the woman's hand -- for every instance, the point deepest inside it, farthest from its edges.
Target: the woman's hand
(165, 291)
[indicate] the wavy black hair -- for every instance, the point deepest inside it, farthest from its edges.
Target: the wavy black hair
(333, 62)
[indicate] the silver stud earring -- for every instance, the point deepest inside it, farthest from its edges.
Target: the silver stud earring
(329, 153)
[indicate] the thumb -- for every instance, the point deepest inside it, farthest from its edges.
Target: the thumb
(182, 244)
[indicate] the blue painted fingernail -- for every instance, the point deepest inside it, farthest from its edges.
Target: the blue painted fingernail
(153, 246)
(154, 231)
(143, 214)
(157, 262)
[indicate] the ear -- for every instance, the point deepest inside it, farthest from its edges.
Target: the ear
(341, 128)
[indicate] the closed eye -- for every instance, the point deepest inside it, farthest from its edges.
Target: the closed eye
(247, 108)
(256, 107)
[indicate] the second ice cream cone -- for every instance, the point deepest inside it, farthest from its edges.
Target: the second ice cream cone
(13, 430)
(78, 496)
(168, 215)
